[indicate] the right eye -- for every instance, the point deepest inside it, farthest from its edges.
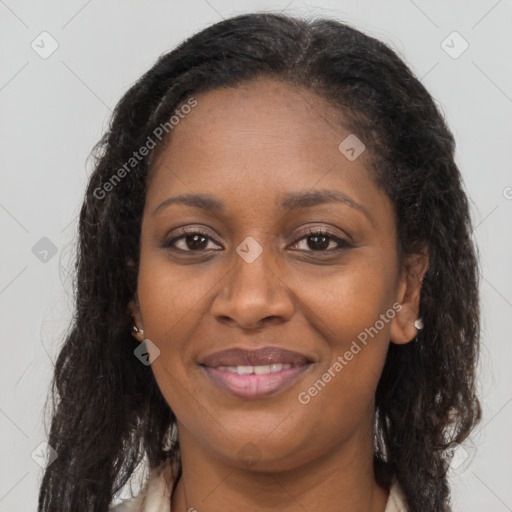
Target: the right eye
(191, 240)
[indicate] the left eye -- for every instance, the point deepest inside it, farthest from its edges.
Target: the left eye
(319, 241)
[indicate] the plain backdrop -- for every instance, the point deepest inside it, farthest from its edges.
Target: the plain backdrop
(54, 108)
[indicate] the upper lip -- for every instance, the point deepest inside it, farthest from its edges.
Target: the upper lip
(259, 357)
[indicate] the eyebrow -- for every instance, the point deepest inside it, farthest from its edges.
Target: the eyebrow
(202, 201)
(290, 201)
(295, 200)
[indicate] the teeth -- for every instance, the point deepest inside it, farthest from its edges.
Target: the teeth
(258, 370)
(244, 370)
(261, 369)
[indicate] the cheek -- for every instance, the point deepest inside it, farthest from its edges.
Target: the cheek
(170, 310)
(173, 301)
(350, 300)
(353, 313)
(170, 295)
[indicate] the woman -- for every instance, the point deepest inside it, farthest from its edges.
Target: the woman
(277, 290)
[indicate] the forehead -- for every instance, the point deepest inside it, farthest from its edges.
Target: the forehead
(261, 113)
(259, 140)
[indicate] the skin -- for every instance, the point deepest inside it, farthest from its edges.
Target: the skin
(247, 147)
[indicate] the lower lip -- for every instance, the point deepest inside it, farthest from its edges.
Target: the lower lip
(255, 385)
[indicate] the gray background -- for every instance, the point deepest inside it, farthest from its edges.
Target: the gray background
(53, 110)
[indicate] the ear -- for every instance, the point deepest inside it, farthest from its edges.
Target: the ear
(138, 326)
(403, 329)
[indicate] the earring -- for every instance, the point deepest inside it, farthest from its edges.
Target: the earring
(136, 330)
(418, 323)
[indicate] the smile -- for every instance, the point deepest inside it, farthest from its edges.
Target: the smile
(255, 373)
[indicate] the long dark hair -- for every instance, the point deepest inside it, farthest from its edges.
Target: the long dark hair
(108, 413)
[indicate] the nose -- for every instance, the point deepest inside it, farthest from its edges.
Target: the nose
(253, 294)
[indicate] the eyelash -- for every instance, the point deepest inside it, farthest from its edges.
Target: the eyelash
(342, 244)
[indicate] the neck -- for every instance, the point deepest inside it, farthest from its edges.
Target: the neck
(342, 480)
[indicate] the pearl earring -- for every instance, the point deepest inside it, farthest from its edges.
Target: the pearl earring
(136, 330)
(418, 323)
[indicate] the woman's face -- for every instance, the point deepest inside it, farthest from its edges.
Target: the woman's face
(248, 275)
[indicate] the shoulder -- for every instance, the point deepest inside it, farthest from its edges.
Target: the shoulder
(155, 496)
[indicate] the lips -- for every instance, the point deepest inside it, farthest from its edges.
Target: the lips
(254, 373)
